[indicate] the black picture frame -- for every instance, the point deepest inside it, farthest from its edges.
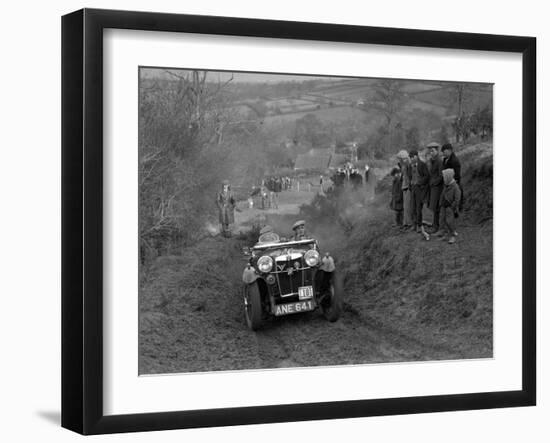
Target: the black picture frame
(82, 218)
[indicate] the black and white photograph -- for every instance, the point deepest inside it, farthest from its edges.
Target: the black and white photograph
(275, 221)
(298, 221)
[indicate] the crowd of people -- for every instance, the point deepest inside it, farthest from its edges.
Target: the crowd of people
(432, 181)
(277, 183)
(268, 191)
(349, 173)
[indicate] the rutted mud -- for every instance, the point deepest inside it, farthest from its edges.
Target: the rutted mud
(204, 330)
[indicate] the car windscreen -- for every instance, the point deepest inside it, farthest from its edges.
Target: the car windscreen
(288, 249)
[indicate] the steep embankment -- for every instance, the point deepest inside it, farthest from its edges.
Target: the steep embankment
(436, 293)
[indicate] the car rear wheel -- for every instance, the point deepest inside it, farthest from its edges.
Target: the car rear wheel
(331, 304)
(252, 306)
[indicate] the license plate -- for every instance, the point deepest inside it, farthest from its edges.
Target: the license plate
(293, 308)
(305, 292)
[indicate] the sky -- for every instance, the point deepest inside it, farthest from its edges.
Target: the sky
(238, 77)
(256, 77)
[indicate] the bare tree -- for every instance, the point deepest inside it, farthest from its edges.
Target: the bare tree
(180, 124)
(387, 99)
(460, 94)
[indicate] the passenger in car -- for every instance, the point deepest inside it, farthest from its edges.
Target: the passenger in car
(267, 235)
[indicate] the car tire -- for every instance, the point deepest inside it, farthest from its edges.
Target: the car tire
(252, 306)
(331, 305)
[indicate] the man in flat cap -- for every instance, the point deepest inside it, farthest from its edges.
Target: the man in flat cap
(299, 229)
(405, 165)
(420, 182)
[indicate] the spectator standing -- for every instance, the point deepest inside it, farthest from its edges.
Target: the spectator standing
(420, 179)
(278, 185)
(226, 208)
(273, 200)
(396, 203)
(450, 201)
(450, 160)
(355, 179)
(436, 183)
(263, 195)
(405, 166)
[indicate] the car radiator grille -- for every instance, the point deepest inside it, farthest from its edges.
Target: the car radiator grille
(288, 282)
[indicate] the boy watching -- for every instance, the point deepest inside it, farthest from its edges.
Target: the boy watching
(450, 201)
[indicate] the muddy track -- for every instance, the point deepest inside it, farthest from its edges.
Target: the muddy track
(356, 338)
(309, 340)
(210, 334)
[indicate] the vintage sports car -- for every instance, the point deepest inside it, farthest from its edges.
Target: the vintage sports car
(289, 277)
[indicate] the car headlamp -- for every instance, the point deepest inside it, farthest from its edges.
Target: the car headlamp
(265, 263)
(311, 257)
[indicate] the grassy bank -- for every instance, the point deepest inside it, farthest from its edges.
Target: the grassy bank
(436, 293)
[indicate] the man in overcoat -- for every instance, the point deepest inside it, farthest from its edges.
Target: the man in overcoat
(436, 183)
(226, 208)
(420, 180)
(405, 166)
(451, 161)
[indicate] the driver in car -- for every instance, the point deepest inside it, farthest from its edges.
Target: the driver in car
(299, 229)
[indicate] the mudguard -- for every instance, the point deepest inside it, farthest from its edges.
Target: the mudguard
(327, 264)
(249, 275)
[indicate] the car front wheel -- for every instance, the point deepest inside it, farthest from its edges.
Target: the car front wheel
(252, 306)
(331, 302)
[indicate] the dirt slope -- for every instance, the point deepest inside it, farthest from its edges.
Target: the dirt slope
(191, 319)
